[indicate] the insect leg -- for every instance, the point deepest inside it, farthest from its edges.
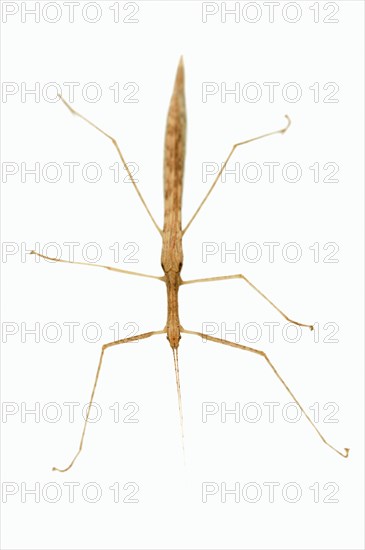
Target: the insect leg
(114, 142)
(98, 265)
(105, 346)
(240, 276)
(281, 131)
(263, 354)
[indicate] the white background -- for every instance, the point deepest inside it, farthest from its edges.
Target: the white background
(170, 512)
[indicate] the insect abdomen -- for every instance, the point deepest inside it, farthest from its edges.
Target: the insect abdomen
(174, 158)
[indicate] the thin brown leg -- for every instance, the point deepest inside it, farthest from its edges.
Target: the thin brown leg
(263, 354)
(98, 265)
(114, 142)
(240, 276)
(105, 346)
(281, 131)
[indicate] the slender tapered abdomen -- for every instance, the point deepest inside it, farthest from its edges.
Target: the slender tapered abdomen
(172, 253)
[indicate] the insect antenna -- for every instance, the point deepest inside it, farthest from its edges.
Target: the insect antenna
(177, 375)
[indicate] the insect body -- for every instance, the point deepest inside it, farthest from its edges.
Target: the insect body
(172, 253)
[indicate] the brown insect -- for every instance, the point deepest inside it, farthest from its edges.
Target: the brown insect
(172, 251)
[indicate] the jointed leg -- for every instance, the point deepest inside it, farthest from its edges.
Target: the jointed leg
(263, 354)
(281, 131)
(240, 276)
(105, 346)
(98, 265)
(114, 142)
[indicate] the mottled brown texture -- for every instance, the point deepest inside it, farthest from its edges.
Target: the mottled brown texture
(172, 253)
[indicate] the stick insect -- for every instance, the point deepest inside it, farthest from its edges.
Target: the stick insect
(172, 251)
